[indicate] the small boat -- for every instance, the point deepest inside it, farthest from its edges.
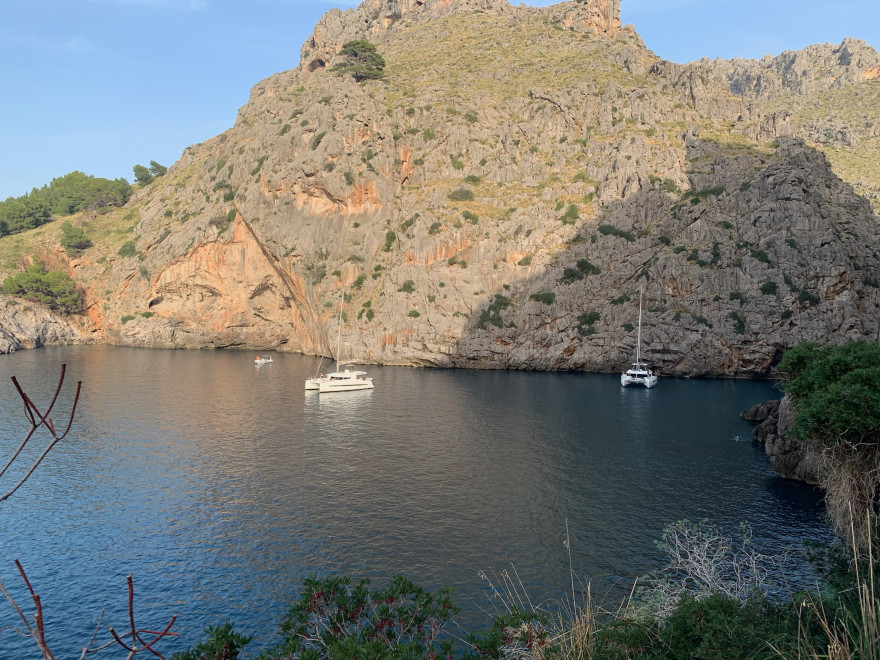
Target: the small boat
(640, 372)
(263, 359)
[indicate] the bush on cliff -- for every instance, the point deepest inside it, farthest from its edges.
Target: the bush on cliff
(361, 60)
(55, 289)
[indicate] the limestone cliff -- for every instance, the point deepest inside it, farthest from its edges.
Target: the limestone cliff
(501, 196)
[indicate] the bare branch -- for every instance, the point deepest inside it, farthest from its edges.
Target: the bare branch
(38, 419)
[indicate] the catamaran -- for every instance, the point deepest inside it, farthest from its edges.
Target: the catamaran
(340, 381)
(640, 372)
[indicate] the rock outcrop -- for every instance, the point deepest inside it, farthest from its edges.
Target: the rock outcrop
(501, 196)
(791, 459)
(32, 326)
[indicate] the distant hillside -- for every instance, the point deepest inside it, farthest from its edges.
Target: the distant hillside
(501, 195)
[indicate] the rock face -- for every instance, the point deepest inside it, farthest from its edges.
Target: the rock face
(790, 458)
(32, 326)
(501, 197)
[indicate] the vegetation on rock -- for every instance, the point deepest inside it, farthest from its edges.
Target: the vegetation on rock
(55, 289)
(361, 60)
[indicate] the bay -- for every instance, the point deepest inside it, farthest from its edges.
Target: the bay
(219, 485)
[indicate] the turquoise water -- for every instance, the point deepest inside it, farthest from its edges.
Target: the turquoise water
(220, 485)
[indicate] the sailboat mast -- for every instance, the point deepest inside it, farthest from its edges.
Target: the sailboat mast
(639, 334)
(339, 331)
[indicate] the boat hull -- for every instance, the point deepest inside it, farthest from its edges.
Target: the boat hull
(344, 381)
(326, 388)
(642, 381)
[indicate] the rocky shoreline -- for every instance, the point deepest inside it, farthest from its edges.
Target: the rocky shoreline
(28, 325)
(790, 458)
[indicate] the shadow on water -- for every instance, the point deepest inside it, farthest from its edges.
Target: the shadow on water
(221, 485)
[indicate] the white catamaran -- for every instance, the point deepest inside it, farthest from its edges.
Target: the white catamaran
(340, 381)
(639, 373)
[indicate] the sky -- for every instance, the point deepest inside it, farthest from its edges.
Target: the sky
(101, 85)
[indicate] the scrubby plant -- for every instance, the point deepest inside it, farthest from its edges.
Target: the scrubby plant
(128, 249)
(461, 195)
(54, 288)
(611, 230)
(390, 237)
(571, 215)
(74, 239)
(768, 288)
(407, 287)
(492, 313)
(335, 618)
(545, 297)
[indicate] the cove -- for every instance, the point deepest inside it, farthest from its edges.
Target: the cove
(219, 485)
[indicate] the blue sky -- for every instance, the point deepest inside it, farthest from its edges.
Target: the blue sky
(100, 85)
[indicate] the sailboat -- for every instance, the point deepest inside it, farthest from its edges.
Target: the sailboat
(639, 373)
(340, 381)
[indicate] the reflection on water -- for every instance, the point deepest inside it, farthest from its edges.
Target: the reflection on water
(220, 485)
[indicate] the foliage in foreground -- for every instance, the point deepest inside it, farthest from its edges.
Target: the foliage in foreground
(55, 289)
(718, 614)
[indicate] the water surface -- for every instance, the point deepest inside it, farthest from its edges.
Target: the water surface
(220, 485)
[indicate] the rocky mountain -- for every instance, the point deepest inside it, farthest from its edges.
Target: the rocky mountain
(500, 198)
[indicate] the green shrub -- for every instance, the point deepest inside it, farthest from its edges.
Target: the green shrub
(359, 282)
(334, 618)
(317, 140)
(55, 289)
(768, 288)
(407, 287)
(74, 239)
(471, 117)
(571, 215)
(586, 321)
(611, 230)
(259, 165)
(390, 237)
(429, 134)
(128, 249)
(525, 261)
(349, 178)
(284, 129)
(434, 228)
(582, 269)
(222, 644)
(739, 322)
(370, 314)
(361, 60)
(413, 314)
(128, 317)
(461, 195)
(760, 255)
(492, 313)
(546, 297)
(456, 163)
(808, 298)
(468, 215)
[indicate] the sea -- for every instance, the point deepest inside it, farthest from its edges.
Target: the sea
(218, 486)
